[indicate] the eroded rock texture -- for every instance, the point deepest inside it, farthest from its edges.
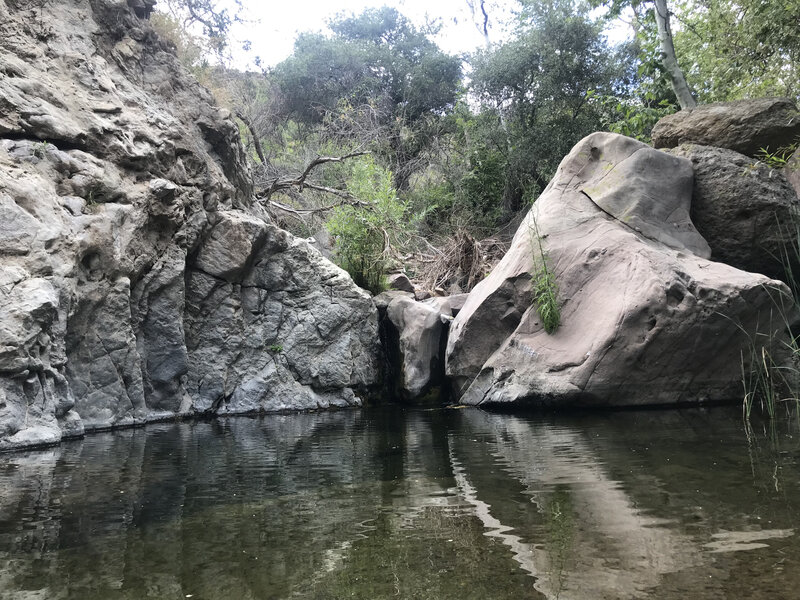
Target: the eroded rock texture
(744, 209)
(647, 318)
(137, 280)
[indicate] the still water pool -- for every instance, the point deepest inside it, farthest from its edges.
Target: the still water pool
(391, 503)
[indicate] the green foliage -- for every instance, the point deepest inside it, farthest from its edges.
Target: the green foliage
(275, 348)
(736, 49)
(364, 232)
(542, 85)
(380, 64)
(728, 49)
(634, 118)
(779, 158)
(545, 287)
(484, 183)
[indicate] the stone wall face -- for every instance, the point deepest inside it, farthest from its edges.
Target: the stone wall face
(138, 281)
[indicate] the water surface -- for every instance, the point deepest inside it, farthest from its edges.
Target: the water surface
(428, 504)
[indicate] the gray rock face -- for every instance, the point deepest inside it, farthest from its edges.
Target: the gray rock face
(137, 280)
(792, 171)
(646, 317)
(745, 126)
(420, 331)
(743, 208)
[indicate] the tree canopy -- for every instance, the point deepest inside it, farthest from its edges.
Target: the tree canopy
(541, 85)
(376, 63)
(470, 141)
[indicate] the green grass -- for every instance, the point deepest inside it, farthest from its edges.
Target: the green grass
(779, 158)
(770, 373)
(545, 287)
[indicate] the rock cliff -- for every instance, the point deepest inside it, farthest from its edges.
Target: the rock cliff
(138, 281)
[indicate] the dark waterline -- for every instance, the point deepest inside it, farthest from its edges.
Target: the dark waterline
(387, 503)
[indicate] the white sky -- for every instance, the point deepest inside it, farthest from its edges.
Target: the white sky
(274, 24)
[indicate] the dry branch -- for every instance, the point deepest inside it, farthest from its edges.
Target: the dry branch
(280, 184)
(462, 261)
(256, 140)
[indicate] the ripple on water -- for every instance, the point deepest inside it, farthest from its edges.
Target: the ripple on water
(406, 504)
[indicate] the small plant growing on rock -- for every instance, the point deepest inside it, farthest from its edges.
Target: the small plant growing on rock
(275, 348)
(40, 149)
(779, 158)
(545, 287)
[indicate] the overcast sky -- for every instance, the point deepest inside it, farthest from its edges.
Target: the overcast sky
(276, 23)
(273, 24)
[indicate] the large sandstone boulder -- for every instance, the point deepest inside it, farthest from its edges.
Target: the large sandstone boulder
(138, 281)
(646, 317)
(745, 210)
(745, 126)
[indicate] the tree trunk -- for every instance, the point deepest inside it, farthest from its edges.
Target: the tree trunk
(679, 85)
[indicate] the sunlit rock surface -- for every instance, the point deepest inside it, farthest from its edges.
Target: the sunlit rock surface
(646, 317)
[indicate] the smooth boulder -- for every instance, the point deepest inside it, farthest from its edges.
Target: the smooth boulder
(415, 335)
(418, 334)
(745, 126)
(646, 317)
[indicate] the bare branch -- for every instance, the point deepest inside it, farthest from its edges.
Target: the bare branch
(304, 212)
(256, 140)
(283, 183)
(321, 160)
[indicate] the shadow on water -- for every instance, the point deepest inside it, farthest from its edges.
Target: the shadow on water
(392, 503)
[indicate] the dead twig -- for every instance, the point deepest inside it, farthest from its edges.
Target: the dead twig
(462, 261)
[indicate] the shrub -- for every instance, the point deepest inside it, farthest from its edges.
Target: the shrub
(365, 229)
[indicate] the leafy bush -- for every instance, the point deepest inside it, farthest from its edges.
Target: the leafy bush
(366, 229)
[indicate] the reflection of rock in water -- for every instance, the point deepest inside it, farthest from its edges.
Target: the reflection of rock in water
(177, 509)
(522, 552)
(409, 504)
(604, 547)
